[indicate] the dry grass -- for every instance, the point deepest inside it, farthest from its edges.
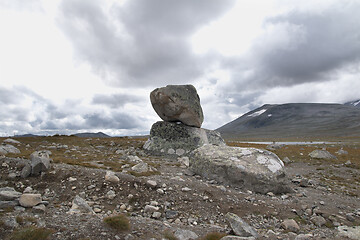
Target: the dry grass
(83, 151)
(118, 222)
(31, 233)
(213, 236)
(169, 235)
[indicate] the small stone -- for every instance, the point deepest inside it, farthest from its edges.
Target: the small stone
(72, 179)
(186, 189)
(111, 194)
(286, 160)
(240, 227)
(97, 210)
(185, 234)
(8, 204)
(28, 190)
(304, 236)
(30, 200)
(160, 191)
(26, 171)
(123, 207)
(111, 177)
(8, 194)
(151, 183)
(170, 214)
(230, 237)
(150, 209)
(11, 223)
(12, 175)
(140, 167)
(156, 215)
(348, 163)
(39, 208)
(270, 194)
(318, 220)
(184, 161)
(79, 205)
(154, 203)
(350, 217)
(290, 225)
(304, 182)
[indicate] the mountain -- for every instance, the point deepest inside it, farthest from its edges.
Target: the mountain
(91, 135)
(295, 120)
(26, 135)
(355, 103)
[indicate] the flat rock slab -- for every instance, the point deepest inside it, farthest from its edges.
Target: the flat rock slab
(178, 103)
(30, 200)
(178, 139)
(249, 168)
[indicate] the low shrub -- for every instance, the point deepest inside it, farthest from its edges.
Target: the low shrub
(31, 233)
(119, 222)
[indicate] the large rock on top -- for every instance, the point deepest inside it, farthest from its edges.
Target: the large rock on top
(178, 139)
(249, 168)
(178, 103)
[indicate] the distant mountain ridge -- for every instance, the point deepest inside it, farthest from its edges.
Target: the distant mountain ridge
(355, 103)
(295, 120)
(92, 135)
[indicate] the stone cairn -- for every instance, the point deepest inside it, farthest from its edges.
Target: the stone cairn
(180, 132)
(181, 135)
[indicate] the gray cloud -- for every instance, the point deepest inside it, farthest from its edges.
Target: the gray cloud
(142, 42)
(297, 47)
(32, 5)
(115, 121)
(7, 96)
(302, 47)
(115, 100)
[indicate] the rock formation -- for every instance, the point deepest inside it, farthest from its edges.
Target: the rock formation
(180, 132)
(180, 135)
(179, 139)
(178, 103)
(250, 168)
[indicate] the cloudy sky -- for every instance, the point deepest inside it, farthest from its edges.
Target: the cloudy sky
(71, 66)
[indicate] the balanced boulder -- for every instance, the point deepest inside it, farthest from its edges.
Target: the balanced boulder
(178, 139)
(178, 103)
(249, 168)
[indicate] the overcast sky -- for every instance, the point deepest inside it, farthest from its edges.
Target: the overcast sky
(70, 66)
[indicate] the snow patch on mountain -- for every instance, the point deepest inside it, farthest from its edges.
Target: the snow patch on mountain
(257, 113)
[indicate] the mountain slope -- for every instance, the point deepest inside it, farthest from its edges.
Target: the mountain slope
(92, 135)
(295, 120)
(355, 103)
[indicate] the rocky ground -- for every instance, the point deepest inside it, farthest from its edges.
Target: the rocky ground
(163, 199)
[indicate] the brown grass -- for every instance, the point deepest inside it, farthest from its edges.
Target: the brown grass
(213, 236)
(119, 222)
(31, 233)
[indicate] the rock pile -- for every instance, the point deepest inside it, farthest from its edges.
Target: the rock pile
(180, 132)
(180, 135)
